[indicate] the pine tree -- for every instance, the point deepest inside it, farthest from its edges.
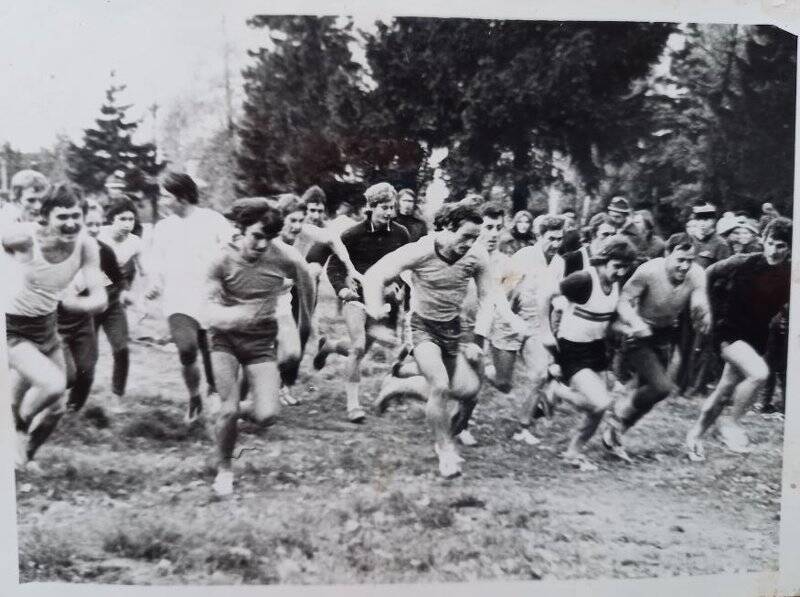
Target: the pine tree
(108, 148)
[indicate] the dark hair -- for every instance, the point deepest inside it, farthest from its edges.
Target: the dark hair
(492, 210)
(182, 186)
(546, 223)
(314, 194)
(780, 229)
(455, 216)
(408, 192)
(679, 240)
(251, 210)
(288, 203)
(598, 220)
(63, 194)
(615, 247)
(118, 206)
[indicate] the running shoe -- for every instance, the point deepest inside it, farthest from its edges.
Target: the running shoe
(356, 415)
(449, 461)
(223, 484)
(466, 438)
(734, 437)
(286, 397)
(695, 449)
(612, 443)
(525, 436)
(580, 462)
(114, 404)
(322, 355)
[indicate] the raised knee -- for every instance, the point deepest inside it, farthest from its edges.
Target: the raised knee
(55, 386)
(760, 375)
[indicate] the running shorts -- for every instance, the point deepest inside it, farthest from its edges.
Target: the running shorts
(574, 356)
(661, 342)
(41, 331)
(251, 345)
(444, 334)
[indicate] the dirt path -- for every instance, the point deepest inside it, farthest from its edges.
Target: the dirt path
(319, 500)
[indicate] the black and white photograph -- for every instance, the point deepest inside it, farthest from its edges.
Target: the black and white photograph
(350, 299)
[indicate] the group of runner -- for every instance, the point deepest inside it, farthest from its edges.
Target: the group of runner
(605, 323)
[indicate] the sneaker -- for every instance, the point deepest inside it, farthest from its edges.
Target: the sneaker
(734, 437)
(466, 438)
(356, 415)
(114, 404)
(580, 462)
(449, 461)
(695, 449)
(223, 484)
(286, 397)
(195, 409)
(612, 443)
(525, 436)
(321, 356)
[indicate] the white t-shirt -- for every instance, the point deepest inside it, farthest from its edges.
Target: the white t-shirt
(181, 253)
(124, 250)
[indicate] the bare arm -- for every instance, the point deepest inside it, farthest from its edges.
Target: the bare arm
(96, 298)
(627, 311)
(699, 306)
(334, 241)
(295, 269)
(385, 269)
(224, 317)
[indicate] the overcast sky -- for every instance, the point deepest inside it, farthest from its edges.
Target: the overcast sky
(57, 56)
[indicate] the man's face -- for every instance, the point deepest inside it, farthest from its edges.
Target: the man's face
(175, 205)
(776, 251)
(464, 237)
(705, 224)
(292, 226)
(678, 263)
(123, 223)
(254, 242)
(613, 270)
(315, 213)
(617, 218)
(405, 204)
(741, 235)
(490, 232)
(383, 212)
(92, 221)
(551, 242)
(603, 232)
(570, 222)
(65, 223)
(31, 202)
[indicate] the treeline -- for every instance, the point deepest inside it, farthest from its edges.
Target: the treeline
(659, 112)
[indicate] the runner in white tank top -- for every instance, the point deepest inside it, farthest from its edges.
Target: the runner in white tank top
(588, 303)
(49, 258)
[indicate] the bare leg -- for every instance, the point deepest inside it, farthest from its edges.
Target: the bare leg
(226, 368)
(593, 402)
(355, 318)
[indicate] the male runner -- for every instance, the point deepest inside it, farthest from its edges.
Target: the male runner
(587, 304)
(618, 211)
(441, 266)
(315, 201)
(28, 188)
(531, 280)
(755, 286)
(366, 243)
(184, 243)
(77, 330)
(652, 301)
(468, 374)
(244, 284)
(127, 247)
(49, 257)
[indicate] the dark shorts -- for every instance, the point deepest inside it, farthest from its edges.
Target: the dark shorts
(661, 343)
(574, 356)
(41, 331)
(253, 345)
(444, 334)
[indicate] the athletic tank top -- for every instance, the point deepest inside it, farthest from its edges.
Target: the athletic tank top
(45, 282)
(588, 322)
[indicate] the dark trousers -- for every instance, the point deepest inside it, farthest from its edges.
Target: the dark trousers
(114, 322)
(80, 352)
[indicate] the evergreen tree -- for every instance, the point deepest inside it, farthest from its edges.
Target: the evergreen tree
(109, 148)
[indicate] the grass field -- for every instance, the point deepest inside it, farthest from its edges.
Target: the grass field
(319, 500)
